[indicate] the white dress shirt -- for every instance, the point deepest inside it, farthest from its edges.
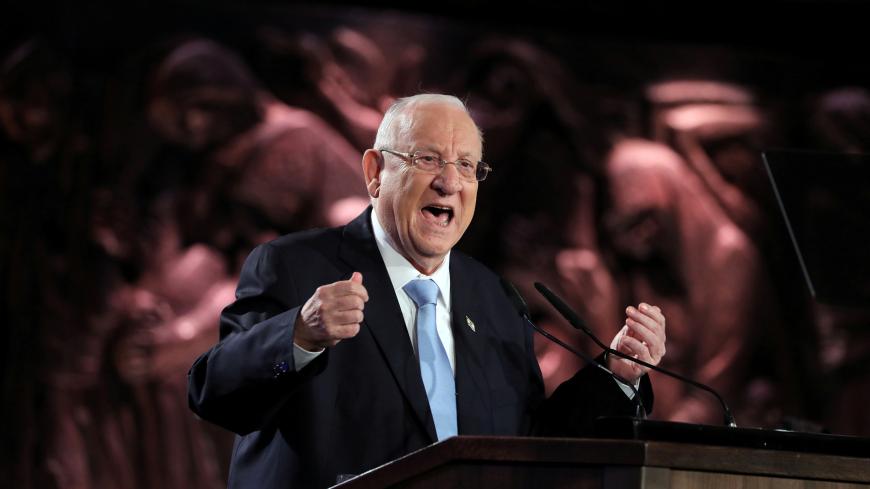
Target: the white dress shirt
(401, 272)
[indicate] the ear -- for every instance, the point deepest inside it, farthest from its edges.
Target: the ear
(372, 164)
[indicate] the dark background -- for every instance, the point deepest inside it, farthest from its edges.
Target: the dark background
(115, 236)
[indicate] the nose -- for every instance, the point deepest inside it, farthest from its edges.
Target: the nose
(448, 181)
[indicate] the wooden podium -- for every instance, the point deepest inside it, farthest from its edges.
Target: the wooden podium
(509, 462)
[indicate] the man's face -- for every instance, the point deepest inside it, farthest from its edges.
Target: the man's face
(426, 214)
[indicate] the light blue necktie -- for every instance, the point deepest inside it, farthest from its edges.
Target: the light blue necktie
(434, 365)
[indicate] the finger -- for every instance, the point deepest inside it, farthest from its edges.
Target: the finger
(344, 332)
(645, 318)
(646, 321)
(637, 349)
(628, 349)
(644, 328)
(640, 332)
(653, 312)
(652, 341)
(351, 302)
(614, 343)
(358, 288)
(343, 318)
(625, 349)
(346, 287)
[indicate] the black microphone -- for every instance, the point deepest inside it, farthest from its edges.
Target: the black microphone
(578, 323)
(523, 310)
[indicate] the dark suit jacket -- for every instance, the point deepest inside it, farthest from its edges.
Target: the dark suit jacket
(362, 402)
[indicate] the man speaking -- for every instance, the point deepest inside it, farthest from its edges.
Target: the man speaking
(352, 346)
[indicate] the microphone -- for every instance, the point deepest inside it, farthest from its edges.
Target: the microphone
(578, 323)
(523, 310)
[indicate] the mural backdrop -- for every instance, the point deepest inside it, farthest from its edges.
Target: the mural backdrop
(141, 161)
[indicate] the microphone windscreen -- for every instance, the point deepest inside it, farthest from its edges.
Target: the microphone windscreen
(515, 297)
(560, 305)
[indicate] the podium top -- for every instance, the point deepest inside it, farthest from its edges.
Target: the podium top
(756, 438)
(569, 454)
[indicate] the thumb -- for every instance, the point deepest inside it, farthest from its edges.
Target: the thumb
(356, 277)
(614, 345)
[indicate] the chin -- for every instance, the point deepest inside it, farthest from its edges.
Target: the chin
(433, 251)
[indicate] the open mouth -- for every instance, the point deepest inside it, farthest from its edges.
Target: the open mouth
(441, 215)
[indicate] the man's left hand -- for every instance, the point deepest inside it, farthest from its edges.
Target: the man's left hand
(642, 337)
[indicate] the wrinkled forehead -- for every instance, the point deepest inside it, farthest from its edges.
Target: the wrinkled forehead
(437, 124)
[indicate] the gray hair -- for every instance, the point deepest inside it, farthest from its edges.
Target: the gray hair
(387, 131)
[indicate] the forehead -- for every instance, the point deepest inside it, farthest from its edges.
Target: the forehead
(438, 126)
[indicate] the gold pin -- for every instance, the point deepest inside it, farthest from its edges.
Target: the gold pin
(471, 324)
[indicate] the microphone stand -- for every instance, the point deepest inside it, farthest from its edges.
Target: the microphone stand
(523, 310)
(575, 321)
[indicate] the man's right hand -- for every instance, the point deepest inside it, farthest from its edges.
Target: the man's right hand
(332, 314)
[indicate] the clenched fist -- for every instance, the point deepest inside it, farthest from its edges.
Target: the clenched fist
(332, 314)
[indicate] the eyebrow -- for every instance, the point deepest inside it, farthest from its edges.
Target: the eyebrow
(461, 155)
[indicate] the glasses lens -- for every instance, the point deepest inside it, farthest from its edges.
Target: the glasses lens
(467, 168)
(431, 162)
(427, 161)
(482, 171)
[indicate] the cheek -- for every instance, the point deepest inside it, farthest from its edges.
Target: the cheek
(410, 189)
(400, 196)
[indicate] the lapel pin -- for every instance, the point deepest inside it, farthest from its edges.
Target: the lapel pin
(471, 324)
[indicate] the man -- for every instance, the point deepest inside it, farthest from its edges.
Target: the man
(327, 365)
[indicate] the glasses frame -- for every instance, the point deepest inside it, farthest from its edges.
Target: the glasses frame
(482, 166)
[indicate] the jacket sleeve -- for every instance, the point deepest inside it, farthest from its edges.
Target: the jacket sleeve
(243, 381)
(575, 405)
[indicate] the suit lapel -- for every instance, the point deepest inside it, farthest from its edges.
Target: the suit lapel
(470, 339)
(383, 317)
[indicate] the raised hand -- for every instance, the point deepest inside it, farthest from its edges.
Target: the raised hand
(332, 314)
(642, 337)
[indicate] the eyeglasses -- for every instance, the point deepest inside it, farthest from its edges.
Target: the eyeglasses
(431, 162)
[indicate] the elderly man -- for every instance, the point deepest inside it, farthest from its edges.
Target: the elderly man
(351, 346)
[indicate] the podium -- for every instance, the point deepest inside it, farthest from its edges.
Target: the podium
(514, 462)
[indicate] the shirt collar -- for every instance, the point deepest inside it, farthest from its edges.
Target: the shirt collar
(401, 271)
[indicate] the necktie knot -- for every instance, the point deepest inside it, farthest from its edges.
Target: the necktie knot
(422, 291)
